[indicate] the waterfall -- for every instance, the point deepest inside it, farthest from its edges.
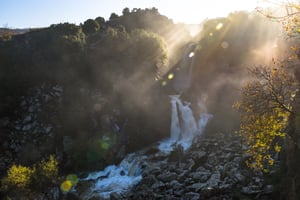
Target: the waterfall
(184, 126)
(175, 128)
(188, 125)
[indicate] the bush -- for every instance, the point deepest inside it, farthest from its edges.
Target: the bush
(38, 177)
(48, 168)
(19, 176)
(46, 173)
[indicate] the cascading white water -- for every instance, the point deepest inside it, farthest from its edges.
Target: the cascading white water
(184, 126)
(175, 127)
(117, 179)
(188, 125)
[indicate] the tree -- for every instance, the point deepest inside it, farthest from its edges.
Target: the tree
(288, 15)
(126, 11)
(100, 20)
(113, 16)
(149, 47)
(90, 26)
(290, 19)
(266, 103)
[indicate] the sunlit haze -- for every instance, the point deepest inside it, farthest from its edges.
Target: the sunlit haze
(36, 13)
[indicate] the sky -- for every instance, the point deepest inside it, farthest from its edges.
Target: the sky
(43, 13)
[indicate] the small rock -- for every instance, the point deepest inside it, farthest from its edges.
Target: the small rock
(27, 119)
(200, 176)
(158, 185)
(32, 109)
(268, 189)
(46, 97)
(226, 188)
(27, 127)
(115, 196)
(167, 177)
(54, 193)
(48, 129)
(250, 190)
(239, 177)
(191, 196)
(57, 88)
(190, 164)
(178, 193)
(175, 184)
(214, 180)
(13, 146)
(196, 187)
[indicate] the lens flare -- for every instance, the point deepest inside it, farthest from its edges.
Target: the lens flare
(219, 26)
(224, 45)
(66, 186)
(104, 145)
(164, 83)
(191, 54)
(170, 76)
(73, 179)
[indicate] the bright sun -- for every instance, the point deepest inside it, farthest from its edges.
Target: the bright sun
(195, 11)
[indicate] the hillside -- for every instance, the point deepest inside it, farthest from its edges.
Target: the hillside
(90, 94)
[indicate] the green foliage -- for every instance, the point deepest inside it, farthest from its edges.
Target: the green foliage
(113, 16)
(155, 51)
(67, 38)
(120, 60)
(90, 26)
(100, 21)
(266, 104)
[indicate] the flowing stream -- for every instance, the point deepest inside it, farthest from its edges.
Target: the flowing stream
(118, 179)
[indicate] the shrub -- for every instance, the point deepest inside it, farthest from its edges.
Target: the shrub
(48, 168)
(19, 176)
(46, 173)
(38, 177)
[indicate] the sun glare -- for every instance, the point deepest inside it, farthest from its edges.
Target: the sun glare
(194, 12)
(191, 54)
(219, 26)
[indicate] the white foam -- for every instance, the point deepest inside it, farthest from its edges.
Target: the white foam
(117, 179)
(184, 126)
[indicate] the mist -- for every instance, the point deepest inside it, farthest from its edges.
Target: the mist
(117, 75)
(225, 50)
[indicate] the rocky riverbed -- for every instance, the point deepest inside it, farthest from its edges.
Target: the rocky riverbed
(213, 168)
